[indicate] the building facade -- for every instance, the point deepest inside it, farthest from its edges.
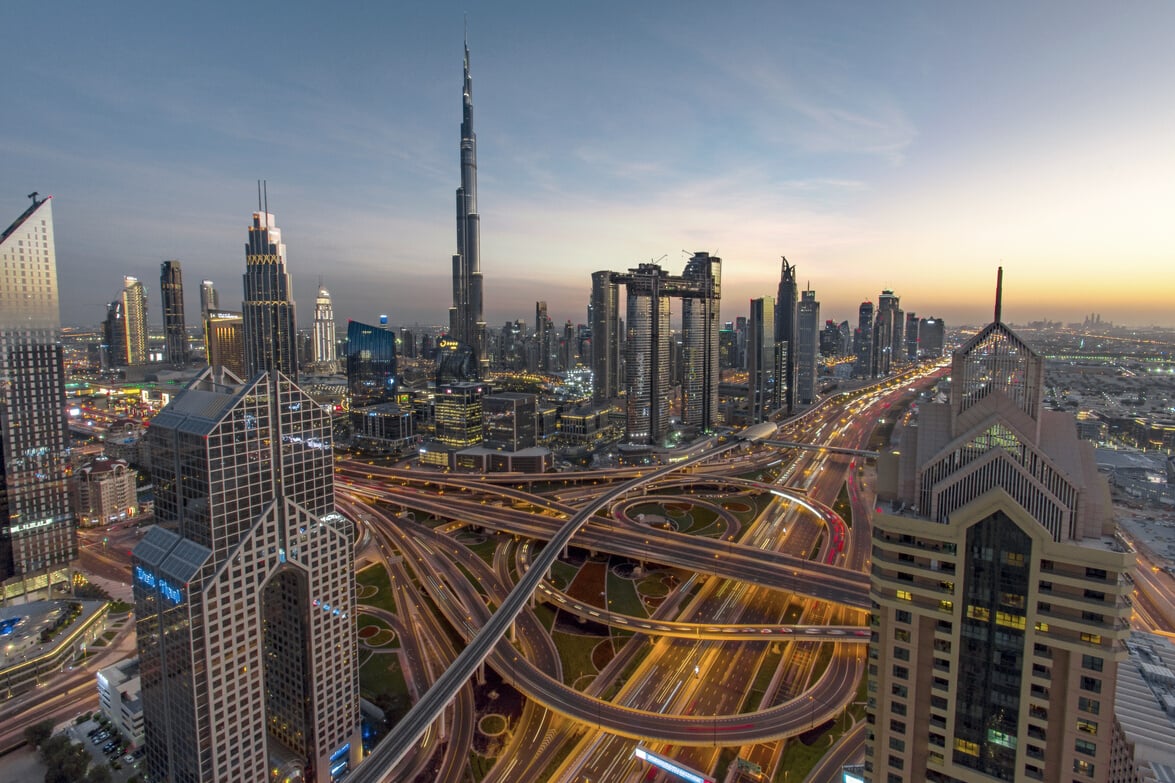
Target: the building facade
(606, 353)
(807, 347)
(209, 298)
(785, 331)
(764, 361)
(104, 491)
(271, 337)
(245, 594)
(175, 333)
(701, 299)
(371, 364)
(458, 412)
(125, 329)
(38, 531)
(324, 328)
(224, 341)
(509, 421)
(999, 599)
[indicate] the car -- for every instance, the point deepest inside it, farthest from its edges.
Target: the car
(861, 633)
(129, 758)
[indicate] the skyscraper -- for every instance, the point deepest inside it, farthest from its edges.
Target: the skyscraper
(605, 308)
(807, 346)
(1000, 605)
(785, 331)
(863, 342)
(542, 335)
(171, 284)
(887, 334)
(466, 322)
(224, 341)
(244, 596)
(209, 299)
(764, 360)
(38, 532)
(126, 325)
(931, 332)
(647, 361)
(700, 305)
(371, 364)
(271, 339)
(324, 328)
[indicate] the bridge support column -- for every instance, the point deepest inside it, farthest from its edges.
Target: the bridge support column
(514, 632)
(481, 673)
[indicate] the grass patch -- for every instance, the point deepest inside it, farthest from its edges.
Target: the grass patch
(815, 553)
(562, 573)
(622, 596)
(485, 550)
(480, 765)
(575, 652)
(546, 615)
(614, 687)
(381, 674)
(726, 757)
(375, 576)
(763, 678)
(654, 586)
(492, 725)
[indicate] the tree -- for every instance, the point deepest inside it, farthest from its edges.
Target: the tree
(99, 774)
(37, 733)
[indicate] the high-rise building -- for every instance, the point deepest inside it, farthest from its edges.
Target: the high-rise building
(999, 592)
(931, 337)
(647, 360)
(466, 322)
(911, 337)
(245, 594)
(763, 360)
(785, 331)
(701, 299)
(324, 328)
(224, 341)
(542, 335)
(458, 410)
(863, 341)
(271, 338)
(175, 333)
(371, 364)
(125, 330)
(209, 299)
(605, 313)
(830, 339)
(887, 334)
(38, 532)
(807, 346)
(509, 421)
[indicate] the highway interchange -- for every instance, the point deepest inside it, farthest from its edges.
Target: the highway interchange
(687, 682)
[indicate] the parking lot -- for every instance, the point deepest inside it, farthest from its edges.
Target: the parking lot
(99, 744)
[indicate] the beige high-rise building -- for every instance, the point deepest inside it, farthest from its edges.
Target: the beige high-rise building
(999, 599)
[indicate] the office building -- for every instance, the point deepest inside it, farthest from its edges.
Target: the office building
(647, 360)
(764, 361)
(324, 328)
(118, 698)
(224, 341)
(175, 333)
(38, 536)
(830, 339)
(125, 329)
(466, 321)
(911, 354)
(244, 594)
(931, 337)
(371, 364)
(1143, 748)
(785, 332)
(271, 338)
(1000, 605)
(701, 299)
(863, 341)
(807, 347)
(458, 413)
(209, 298)
(508, 421)
(605, 316)
(887, 334)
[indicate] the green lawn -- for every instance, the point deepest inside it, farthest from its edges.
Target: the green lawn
(562, 573)
(375, 576)
(576, 653)
(842, 505)
(622, 596)
(382, 674)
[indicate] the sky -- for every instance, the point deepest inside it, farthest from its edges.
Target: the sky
(906, 146)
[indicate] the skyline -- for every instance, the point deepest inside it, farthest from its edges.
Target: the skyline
(871, 147)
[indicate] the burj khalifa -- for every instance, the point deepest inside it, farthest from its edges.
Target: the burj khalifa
(466, 322)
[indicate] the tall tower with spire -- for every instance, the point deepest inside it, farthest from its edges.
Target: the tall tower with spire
(270, 334)
(466, 321)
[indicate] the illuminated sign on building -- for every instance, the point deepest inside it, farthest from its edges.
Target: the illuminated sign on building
(173, 594)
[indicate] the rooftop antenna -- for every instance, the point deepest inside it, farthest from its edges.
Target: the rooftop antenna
(258, 195)
(999, 292)
(34, 195)
(265, 189)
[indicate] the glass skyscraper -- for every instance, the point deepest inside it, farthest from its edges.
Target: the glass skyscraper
(371, 364)
(38, 532)
(171, 283)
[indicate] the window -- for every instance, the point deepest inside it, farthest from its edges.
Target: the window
(899, 690)
(1087, 726)
(1091, 662)
(1086, 747)
(901, 653)
(1092, 706)
(1091, 638)
(904, 595)
(1091, 684)
(902, 616)
(897, 726)
(902, 673)
(896, 762)
(1082, 767)
(901, 635)
(897, 744)
(1095, 573)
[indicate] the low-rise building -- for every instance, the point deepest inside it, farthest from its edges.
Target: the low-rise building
(103, 491)
(119, 698)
